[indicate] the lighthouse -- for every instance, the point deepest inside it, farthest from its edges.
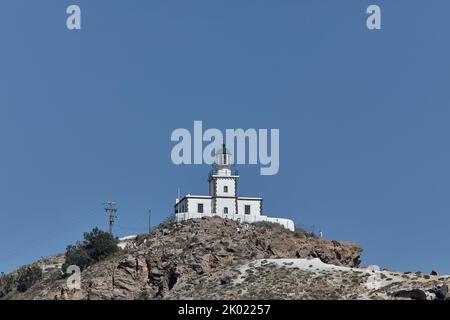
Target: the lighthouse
(223, 182)
(223, 199)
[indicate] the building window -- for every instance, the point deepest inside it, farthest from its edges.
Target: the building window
(200, 207)
(224, 159)
(247, 209)
(225, 189)
(225, 210)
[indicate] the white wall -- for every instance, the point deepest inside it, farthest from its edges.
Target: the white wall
(230, 203)
(230, 183)
(193, 202)
(286, 223)
(181, 205)
(255, 206)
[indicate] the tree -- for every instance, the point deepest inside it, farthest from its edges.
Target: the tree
(77, 255)
(97, 246)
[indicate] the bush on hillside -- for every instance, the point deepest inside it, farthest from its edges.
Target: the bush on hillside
(97, 246)
(269, 225)
(7, 283)
(28, 277)
(21, 280)
(77, 255)
(301, 233)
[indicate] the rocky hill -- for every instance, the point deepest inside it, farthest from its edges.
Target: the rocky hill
(213, 258)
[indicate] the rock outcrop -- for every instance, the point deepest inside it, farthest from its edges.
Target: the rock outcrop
(213, 258)
(174, 254)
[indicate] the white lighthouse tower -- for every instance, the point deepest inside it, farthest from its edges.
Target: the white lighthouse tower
(223, 182)
(223, 200)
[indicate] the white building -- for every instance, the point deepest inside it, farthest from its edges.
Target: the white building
(222, 200)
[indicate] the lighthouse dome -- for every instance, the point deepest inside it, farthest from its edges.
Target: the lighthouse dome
(223, 157)
(223, 150)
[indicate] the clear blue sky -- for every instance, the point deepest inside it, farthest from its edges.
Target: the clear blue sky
(363, 116)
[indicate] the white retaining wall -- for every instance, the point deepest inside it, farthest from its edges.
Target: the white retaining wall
(286, 223)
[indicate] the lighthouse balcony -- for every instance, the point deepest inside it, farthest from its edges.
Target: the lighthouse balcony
(215, 172)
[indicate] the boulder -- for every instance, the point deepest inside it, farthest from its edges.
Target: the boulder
(198, 268)
(441, 292)
(414, 294)
(225, 280)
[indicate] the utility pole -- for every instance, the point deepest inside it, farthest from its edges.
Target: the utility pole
(149, 220)
(111, 211)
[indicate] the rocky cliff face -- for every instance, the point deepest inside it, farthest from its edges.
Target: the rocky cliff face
(213, 258)
(176, 256)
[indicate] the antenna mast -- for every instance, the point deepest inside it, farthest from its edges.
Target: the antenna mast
(111, 211)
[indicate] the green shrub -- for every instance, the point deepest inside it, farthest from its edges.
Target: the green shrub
(7, 283)
(299, 234)
(268, 225)
(97, 246)
(302, 233)
(77, 255)
(27, 277)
